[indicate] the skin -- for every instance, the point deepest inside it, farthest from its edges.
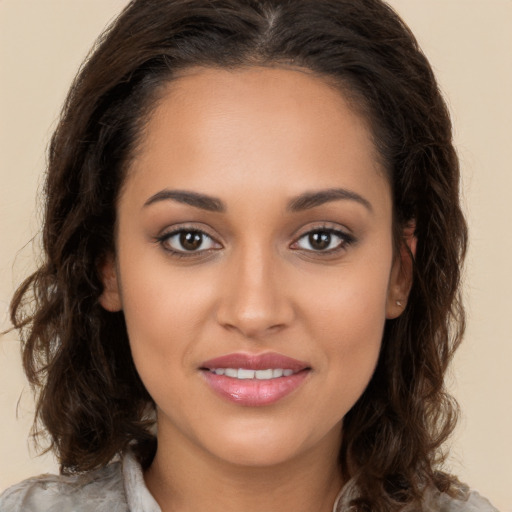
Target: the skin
(255, 139)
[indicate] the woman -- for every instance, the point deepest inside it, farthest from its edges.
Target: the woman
(253, 240)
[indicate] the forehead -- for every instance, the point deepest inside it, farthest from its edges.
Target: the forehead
(255, 96)
(213, 127)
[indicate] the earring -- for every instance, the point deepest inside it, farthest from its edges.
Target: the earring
(399, 303)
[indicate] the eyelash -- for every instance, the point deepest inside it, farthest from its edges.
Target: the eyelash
(345, 240)
(164, 239)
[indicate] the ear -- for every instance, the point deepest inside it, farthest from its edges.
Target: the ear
(400, 281)
(110, 298)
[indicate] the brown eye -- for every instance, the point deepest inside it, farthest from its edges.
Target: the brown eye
(319, 240)
(323, 241)
(191, 240)
(188, 241)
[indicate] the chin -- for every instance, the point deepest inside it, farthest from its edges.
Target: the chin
(266, 446)
(258, 456)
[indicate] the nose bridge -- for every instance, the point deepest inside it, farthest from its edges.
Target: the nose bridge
(254, 301)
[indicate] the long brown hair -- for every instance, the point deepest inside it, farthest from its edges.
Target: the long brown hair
(90, 400)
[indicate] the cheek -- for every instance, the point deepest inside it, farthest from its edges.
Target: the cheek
(352, 338)
(348, 320)
(350, 300)
(163, 311)
(161, 329)
(352, 351)
(168, 312)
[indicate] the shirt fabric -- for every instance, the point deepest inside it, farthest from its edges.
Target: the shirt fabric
(120, 487)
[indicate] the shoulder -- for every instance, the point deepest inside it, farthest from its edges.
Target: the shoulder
(467, 501)
(101, 490)
(433, 500)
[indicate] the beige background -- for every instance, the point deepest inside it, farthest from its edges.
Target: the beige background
(469, 43)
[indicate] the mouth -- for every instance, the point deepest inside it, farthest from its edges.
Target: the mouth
(247, 373)
(254, 380)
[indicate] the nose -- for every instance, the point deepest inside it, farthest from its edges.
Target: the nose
(254, 300)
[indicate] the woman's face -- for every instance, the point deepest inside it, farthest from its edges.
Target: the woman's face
(254, 263)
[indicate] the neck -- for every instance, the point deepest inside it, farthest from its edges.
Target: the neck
(184, 479)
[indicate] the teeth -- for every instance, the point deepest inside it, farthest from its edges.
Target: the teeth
(264, 374)
(244, 373)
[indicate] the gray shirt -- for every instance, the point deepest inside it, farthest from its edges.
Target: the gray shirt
(120, 487)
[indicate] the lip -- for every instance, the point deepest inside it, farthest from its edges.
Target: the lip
(255, 362)
(254, 392)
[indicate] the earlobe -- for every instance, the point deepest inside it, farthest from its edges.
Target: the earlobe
(110, 298)
(401, 278)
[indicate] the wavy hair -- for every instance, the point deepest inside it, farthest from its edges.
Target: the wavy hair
(91, 403)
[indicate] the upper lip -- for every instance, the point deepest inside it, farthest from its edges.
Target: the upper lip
(268, 360)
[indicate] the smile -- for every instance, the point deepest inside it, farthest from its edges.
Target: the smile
(254, 380)
(244, 373)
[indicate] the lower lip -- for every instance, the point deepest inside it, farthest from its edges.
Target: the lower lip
(254, 392)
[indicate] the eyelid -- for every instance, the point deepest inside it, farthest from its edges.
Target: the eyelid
(332, 227)
(174, 230)
(346, 239)
(343, 233)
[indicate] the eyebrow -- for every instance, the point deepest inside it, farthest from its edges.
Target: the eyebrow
(195, 199)
(303, 202)
(317, 198)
